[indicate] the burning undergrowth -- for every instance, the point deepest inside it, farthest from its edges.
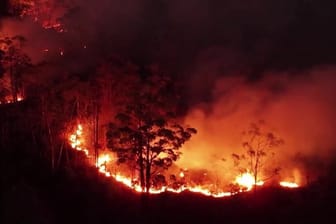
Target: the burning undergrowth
(297, 108)
(174, 180)
(291, 107)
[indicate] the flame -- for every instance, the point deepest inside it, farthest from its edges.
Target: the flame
(103, 160)
(46, 13)
(288, 184)
(132, 183)
(245, 180)
(76, 141)
(129, 182)
(19, 98)
(11, 100)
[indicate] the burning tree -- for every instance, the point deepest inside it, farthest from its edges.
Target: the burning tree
(48, 13)
(258, 145)
(145, 133)
(13, 63)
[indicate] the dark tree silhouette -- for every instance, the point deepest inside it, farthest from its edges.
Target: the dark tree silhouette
(14, 62)
(145, 132)
(258, 145)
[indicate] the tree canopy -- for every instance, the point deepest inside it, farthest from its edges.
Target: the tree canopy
(258, 145)
(145, 132)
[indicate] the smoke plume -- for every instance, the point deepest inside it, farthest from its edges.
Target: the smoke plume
(298, 107)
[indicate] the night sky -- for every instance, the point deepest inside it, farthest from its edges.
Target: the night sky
(254, 36)
(251, 37)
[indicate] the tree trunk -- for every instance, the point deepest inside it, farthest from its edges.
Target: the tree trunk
(13, 81)
(256, 170)
(141, 170)
(255, 183)
(60, 155)
(255, 178)
(148, 171)
(51, 142)
(96, 136)
(50, 138)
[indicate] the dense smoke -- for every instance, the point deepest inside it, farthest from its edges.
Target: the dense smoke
(300, 108)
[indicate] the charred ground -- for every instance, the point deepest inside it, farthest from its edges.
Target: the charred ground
(76, 193)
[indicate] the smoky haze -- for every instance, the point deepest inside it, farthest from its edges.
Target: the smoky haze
(300, 108)
(239, 61)
(175, 34)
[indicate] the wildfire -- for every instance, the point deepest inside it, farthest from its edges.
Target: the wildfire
(10, 100)
(196, 189)
(128, 182)
(289, 184)
(46, 13)
(246, 180)
(19, 98)
(102, 164)
(76, 140)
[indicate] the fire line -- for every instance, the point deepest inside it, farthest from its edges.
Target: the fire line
(245, 180)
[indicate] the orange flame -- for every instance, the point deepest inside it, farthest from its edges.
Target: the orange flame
(245, 180)
(102, 164)
(289, 184)
(19, 98)
(11, 100)
(46, 13)
(76, 141)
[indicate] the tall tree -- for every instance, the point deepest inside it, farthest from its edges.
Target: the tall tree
(145, 133)
(14, 62)
(258, 145)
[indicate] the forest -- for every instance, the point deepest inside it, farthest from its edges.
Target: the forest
(160, 112)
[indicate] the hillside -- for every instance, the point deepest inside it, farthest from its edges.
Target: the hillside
(79, 194)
